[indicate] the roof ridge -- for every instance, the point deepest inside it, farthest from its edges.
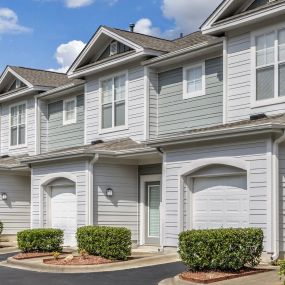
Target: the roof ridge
(196, 32)
(37, 69)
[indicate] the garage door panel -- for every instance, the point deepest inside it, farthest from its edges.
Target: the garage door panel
(220, 202)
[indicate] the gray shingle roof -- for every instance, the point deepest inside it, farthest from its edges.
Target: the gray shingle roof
(43, 77)
(112, 147)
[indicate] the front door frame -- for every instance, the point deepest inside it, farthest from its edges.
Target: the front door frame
(143, 180)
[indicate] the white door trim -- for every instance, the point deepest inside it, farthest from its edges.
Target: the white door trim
(144, 179)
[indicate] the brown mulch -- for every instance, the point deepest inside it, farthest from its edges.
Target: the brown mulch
(78, 260)
(29, 255)
(215, 276)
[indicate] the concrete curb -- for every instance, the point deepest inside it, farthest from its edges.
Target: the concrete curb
(8, 250)
(37, 265)
(175, 281)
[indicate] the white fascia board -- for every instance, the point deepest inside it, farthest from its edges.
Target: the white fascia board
(26, 91)
(10, 70)
(217, 134)
(101, 31)
(246, 19)
(217, 13)
(103, 66)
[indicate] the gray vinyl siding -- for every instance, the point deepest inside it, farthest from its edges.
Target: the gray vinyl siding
(252, 152)
(122, 209)
(15, 212)
(136, 99)
(178, 114)
(240, 80)
(62, 136)
(76, 169)
(43, 106)
(150, 169)
(29, 148)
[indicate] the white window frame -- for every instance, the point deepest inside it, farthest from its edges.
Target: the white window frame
(276, 99)
(74, 120)
(114, 128)
(26, 126)
(187, 95)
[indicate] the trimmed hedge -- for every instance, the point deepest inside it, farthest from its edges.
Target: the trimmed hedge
(1, 227)
(40, 240)
(108, 242)
(221, 249)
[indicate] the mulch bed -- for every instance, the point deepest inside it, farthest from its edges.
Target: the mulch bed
(78, 260)
(30, 255)
(216, 276)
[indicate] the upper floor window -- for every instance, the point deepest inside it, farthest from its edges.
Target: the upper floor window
(69, 111)
(113, 98)
(194, 80)
(18, 125)
(270, 65)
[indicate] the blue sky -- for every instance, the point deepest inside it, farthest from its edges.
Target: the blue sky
(48, 34)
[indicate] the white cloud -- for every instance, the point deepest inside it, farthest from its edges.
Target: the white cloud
(9, 22)
(188, 15)
(112, 2)
(145, 26)
(66, 54)
(78, 3)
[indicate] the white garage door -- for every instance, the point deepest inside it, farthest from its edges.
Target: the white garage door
(63, 212)
(220, 202)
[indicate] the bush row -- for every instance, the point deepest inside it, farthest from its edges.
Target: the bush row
(221, 249)
(107, 242)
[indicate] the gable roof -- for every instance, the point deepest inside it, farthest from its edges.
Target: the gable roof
(230, 10)
(39, 77)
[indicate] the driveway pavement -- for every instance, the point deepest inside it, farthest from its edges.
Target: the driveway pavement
(143, 276)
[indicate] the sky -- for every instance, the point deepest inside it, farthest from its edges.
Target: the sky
(49, 34)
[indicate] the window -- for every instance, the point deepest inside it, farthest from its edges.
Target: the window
(194, 81)
(18, 125)
(69, 111)
(270, 65)
(113, 96)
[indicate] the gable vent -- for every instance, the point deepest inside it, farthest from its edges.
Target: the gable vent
(114, 48)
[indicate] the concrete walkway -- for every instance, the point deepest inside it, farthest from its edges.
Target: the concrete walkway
(268, 278)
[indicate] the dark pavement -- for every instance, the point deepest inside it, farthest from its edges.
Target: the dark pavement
(141, 276)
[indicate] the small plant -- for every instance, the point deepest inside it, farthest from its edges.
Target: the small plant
(84, 254)
(56, 255)
(1, 228)
(281, 272)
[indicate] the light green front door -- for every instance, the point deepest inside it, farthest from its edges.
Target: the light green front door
(152, 213)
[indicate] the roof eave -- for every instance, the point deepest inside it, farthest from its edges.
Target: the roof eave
(217, 134)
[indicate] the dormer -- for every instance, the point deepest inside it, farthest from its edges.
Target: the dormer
(110, 48)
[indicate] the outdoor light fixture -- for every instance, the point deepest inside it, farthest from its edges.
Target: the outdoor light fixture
(109, 192)
(4, 196)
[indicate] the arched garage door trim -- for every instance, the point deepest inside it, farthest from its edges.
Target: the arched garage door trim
(199, 164)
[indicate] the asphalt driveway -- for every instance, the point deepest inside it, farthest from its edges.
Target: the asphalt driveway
(142, 276)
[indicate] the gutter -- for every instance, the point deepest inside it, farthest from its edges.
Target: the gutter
(275, 196)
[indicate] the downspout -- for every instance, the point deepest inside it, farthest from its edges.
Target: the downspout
(275, 196)
(91, 188)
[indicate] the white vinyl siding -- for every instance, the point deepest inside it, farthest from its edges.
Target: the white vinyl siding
(69, 111)
(113, 96)
(194, 80)
(134, 109)
(18, 125)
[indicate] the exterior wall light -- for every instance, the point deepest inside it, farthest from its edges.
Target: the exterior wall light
(4, 196)
(109, 192)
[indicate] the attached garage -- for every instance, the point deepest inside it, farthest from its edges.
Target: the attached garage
(217, 198)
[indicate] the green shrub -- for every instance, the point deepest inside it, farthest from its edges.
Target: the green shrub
(221, 249)
(1, 228)
(40, 240)
(107, 242)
